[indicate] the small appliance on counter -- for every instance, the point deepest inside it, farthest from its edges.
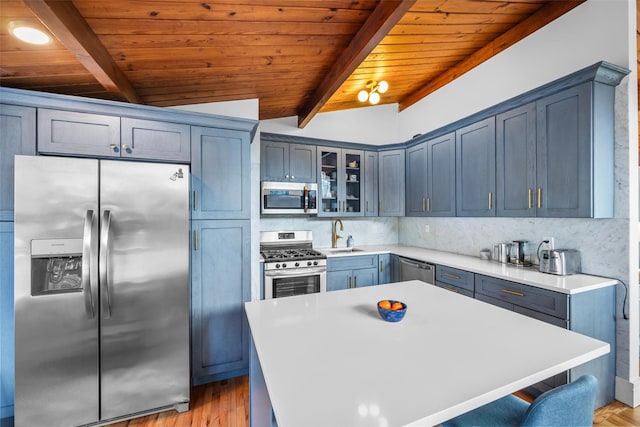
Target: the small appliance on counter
(517, 254)
(562, 262)
(501, 252)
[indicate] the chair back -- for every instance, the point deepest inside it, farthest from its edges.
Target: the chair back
(568, 405)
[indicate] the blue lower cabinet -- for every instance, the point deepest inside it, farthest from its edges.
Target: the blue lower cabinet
(352, 272)
(6, 320)
(384, 269)
(220, 285)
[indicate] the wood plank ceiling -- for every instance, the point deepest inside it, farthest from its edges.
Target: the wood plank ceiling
(299, 57)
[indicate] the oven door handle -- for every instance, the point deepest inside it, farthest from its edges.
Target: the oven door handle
(296, 272)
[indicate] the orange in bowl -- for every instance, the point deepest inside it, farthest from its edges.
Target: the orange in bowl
(395, 311)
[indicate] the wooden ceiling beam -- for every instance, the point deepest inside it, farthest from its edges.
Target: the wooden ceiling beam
(66, 23)
(545, 15)
(383, 18)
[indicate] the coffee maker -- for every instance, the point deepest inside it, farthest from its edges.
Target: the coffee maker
(517, 253)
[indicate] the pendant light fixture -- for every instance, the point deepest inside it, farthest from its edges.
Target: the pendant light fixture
(373, 91)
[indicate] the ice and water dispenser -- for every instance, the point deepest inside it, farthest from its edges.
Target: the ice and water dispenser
(56, 266)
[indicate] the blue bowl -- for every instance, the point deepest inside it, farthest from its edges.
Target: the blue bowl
(392, 315)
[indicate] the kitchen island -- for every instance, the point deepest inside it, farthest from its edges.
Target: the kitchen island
(329, 359)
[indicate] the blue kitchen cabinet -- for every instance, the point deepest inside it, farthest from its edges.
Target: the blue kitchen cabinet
(590, 313)
(430, 175)
(370, 183)
(220, 285)
(416, 180)
(476, 169)
(516, 162)
(154, 140)
(391, 186)
(17, 136)
(575, 153)
(341, 182)
(288, 162)
(384, 271)
(352, 272)
(6, 320)
(220, 173)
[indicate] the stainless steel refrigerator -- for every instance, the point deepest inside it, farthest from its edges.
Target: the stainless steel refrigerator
(101, 290)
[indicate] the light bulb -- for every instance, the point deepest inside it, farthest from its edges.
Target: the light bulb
(363, 95)
(374, 98)
(383, 86)
(28, 34)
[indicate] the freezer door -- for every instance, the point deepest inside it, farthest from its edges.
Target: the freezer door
(56, 322)
(144, 287)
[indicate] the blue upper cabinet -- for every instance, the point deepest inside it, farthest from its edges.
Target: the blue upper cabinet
(148, 139)
(575, 153)
(391, 186)
(431, 177)
(341, 182)
(516, 162)
(17, 136)
(370, 183)
(282, 161)
(220, 173)
(476, 169)
(79, 134)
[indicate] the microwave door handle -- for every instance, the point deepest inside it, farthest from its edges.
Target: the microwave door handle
(104, 264)
(306, 198)
(87, 243)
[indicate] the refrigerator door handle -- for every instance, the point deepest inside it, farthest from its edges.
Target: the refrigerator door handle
(87, 241)
(104, 265)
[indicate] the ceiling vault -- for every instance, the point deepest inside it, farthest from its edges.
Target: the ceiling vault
(67, 25)
(383, 18)
(549, 12)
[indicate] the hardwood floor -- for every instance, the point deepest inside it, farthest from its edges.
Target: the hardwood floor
(226, 403)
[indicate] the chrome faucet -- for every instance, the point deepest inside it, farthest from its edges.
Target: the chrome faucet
(334, 234)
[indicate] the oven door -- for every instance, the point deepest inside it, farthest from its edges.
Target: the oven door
(299, 281)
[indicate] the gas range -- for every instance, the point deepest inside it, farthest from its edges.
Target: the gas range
(291, 265)
(289, 249)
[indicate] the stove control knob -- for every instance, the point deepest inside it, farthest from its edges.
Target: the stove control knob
(297, 264)
(308, 263)
(284, 265)
(315, 262)
(277, 265)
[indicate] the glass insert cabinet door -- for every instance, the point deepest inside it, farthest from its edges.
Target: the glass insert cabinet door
(340, 182)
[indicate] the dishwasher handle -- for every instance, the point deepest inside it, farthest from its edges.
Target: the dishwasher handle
(427, 267)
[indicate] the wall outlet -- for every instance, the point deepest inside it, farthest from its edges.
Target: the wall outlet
(426, 228)
(551, 244)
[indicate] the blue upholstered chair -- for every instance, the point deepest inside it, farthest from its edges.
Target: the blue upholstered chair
(568, 405)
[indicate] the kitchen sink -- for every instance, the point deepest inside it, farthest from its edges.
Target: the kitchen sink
(340, 250)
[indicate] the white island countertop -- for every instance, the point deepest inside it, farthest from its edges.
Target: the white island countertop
(571, 284)
(328, 359)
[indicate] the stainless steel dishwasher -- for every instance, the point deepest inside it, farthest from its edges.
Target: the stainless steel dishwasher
(416, 270)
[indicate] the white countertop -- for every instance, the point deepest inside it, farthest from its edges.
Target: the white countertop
(328, 359)
(572, 284)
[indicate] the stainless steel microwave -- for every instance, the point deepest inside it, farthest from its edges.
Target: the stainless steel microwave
(288, 198)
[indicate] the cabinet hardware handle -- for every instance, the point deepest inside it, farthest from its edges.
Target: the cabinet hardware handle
(379, 206)
(381, 266)
(293, 177)
(367, 204)
(287, 176)
(453, 276)
(510, 292)
(529, 198)
(355, 282)
(539, 197)
(349, 282)
(195, 200)
(428, 204)
(114, 147)
(490, 200)
(125, 147)
(451, 289)
(424, 204)
(195, 240)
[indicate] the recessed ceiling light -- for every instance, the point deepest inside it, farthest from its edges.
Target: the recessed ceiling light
(27, 33)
